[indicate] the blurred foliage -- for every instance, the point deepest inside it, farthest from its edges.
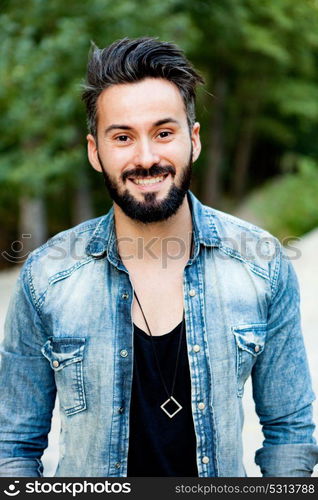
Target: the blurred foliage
(265, 54)
(44, 50)
(287, 205)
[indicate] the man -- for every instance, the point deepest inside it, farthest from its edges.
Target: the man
(148, 321)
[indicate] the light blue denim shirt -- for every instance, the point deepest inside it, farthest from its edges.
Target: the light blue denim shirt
(69, 329)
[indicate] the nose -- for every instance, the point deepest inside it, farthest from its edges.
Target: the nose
(146, 156)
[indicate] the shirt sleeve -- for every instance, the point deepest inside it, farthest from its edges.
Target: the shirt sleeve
(282, 388)
(27, 386)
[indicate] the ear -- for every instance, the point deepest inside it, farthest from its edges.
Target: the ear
(196, 141)
(92, 153)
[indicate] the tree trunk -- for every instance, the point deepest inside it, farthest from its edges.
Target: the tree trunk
(82, 208)
(212, 183)
(32, 224)
(242, 156)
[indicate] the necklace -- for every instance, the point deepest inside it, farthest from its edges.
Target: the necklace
(171, 406)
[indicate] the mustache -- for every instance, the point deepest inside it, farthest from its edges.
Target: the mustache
(153, 171)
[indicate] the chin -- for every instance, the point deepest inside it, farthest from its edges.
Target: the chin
(150, 209)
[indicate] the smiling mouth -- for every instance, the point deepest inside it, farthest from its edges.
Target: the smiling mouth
(145, 181)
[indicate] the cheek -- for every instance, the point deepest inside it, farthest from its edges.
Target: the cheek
(179, 155)
(115, 159)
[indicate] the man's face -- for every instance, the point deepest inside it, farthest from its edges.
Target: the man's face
(144, 147)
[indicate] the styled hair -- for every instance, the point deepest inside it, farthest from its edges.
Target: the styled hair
(132, 60)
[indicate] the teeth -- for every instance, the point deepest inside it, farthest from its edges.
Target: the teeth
(148, 181)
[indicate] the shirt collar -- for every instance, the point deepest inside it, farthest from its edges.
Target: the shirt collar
(103, 237)
(103, 241)
(204, 228)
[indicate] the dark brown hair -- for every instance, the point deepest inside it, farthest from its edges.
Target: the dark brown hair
(131, 60)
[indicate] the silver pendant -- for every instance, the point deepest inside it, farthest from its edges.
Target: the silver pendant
(178, 407)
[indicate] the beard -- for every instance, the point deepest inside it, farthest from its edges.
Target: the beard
(150, 209)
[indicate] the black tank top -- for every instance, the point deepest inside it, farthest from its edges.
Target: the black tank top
(160, 446)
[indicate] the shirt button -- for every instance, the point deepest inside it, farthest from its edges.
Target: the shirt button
(196, 348)
(257, 348)
(201, 406)
(56, 364)
(192, 292)
(125, 296)
(124, 353)
(118, 465)
(205, 460)
(121, 410)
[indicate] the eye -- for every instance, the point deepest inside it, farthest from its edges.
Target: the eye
(122, 138)
(164, 134)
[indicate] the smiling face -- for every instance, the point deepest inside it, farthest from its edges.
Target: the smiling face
(144, 147)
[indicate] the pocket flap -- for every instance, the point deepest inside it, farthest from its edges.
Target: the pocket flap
(251, 338)
(63, 351)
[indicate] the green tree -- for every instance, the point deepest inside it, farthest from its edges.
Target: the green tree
(259, 61)
(44, 49)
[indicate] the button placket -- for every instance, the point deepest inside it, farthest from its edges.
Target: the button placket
(198, 360)
(122, 377)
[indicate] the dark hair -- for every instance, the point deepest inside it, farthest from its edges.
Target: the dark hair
(131, 60)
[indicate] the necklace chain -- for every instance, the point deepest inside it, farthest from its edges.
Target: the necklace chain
(169, 394)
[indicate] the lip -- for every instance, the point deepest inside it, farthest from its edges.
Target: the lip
(150, 187)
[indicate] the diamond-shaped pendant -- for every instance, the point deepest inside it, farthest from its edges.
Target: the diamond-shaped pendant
(171, 407)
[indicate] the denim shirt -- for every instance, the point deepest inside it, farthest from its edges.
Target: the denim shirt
(69, 330)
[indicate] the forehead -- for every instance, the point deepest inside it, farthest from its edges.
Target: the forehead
(146, 101)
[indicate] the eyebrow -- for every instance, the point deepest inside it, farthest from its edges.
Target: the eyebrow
(166, 120)
(116, 126)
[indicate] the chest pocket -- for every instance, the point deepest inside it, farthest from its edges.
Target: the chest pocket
(250, 343)
(66, 359)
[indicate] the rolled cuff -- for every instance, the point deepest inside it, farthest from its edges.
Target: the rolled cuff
(21, 467)
(287, 460)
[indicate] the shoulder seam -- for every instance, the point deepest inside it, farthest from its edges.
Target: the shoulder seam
(33, 292)
(254, 267)
(235, 221)
(274, 280)
(60, 236)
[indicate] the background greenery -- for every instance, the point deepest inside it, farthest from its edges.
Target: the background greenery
(258, 110)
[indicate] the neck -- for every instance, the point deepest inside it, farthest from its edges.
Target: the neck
(152, 240)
